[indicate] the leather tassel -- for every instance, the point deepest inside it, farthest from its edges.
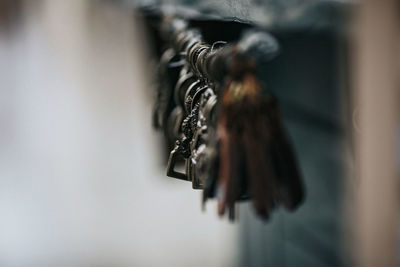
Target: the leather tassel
(255, 155)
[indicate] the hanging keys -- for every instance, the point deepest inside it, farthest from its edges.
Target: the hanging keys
(226, 128)
(182, 146)
(198, 147)
(169, 67)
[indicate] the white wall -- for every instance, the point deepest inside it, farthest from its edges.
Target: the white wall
(81, 178)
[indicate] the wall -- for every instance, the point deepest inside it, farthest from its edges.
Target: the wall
(82, 182)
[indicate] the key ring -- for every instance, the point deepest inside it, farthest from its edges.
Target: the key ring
(197, 95)
(181, 86)
(190, 93)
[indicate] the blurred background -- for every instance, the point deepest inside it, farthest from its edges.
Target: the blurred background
(82, 173)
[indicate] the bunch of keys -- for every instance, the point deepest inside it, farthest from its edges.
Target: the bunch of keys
(227, 129)
(196, 104)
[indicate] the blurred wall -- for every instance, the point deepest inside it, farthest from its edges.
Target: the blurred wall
(82, 182)
(306, 77)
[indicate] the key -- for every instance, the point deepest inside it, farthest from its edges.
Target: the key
(167, 72)
(182, 146)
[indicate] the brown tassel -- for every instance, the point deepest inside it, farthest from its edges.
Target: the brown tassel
(255, 155)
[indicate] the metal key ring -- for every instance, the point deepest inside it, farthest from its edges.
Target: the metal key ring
(190, 93)
(186, 49)
(199, 66)
(191, 51)
(179, 91)
(217, 45)
(194, 53)
(197, 95)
